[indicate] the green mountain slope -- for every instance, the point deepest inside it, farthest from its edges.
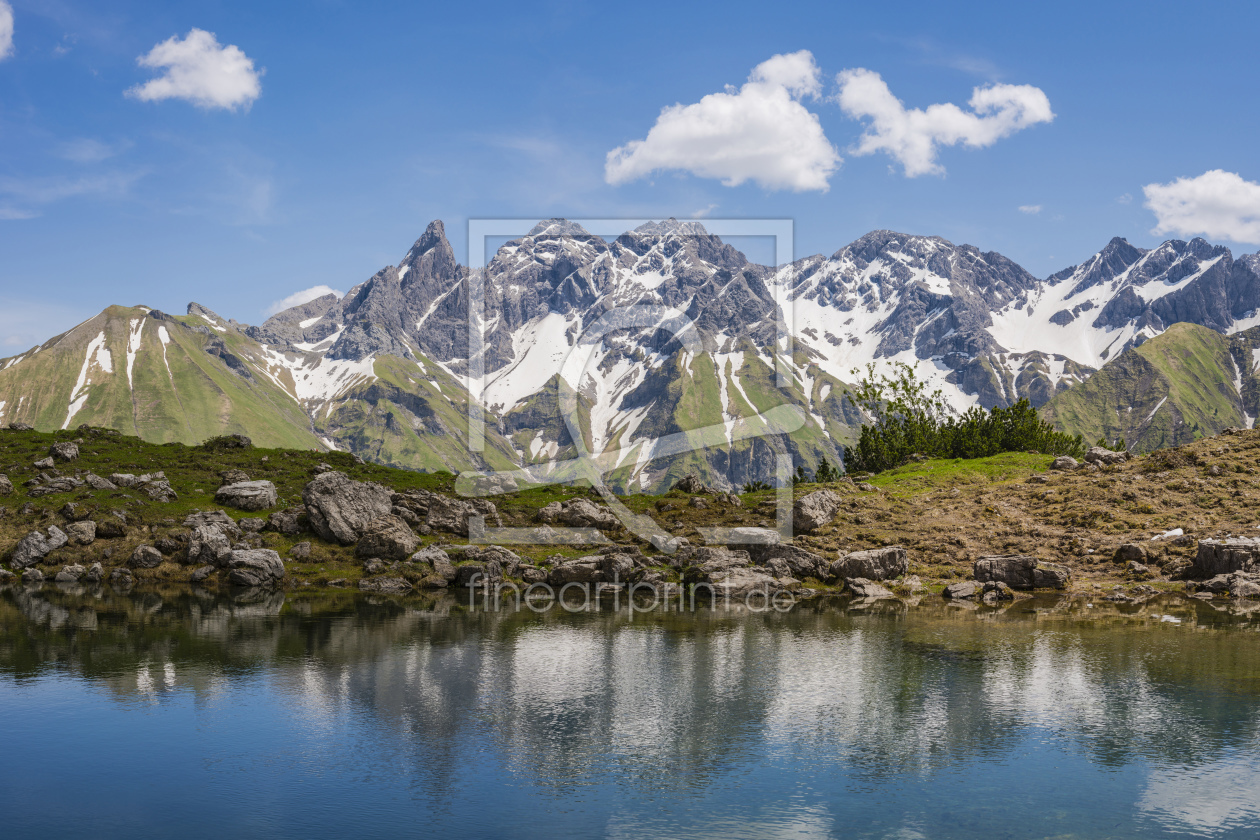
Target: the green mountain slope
(151, 376)
(1187, 383)
(187, 379)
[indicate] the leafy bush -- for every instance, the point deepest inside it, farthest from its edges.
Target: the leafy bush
(907, 420)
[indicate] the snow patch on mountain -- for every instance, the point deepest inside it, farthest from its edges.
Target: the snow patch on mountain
(98, 357)
(135, 331)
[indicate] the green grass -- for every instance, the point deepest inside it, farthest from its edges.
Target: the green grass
(943, 474)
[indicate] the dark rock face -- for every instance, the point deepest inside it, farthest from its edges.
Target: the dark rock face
(340, 509)
(1222, 557)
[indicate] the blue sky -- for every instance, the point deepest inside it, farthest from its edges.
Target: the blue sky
(339, 130)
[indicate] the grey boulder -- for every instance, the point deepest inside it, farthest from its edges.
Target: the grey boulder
(1220, 557)
(865, 588)
(875, 564)
(70, 574)
(64, 451)
(1100, 455)
(579, 513)
(146, 557)
(81, 533)
(208, 546)
(1064, 462)
(6, 486)
(247, 495)
(255, 567)
(97, 483)
(452, 515)
(438, 559)
(288, 522)
(963, 590)
(389, 537)
(391, 585)
(798, 562)
(35, 546)
(340, 508)
(815, 510)
(1019, 571)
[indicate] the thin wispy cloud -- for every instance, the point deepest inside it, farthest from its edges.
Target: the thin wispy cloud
(1030, 209)
(1215, 204)
(198, 70)
(6, 30)
(86, 150)
(49, 189)
(912, 136)
(760, 133)
(299, 298)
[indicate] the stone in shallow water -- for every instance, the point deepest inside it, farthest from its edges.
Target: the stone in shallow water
(865, 588)
(962, 589)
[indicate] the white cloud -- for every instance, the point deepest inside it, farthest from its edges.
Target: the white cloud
(6, 29)
(1030, 209)
(1216, 204)
(1125, 198)
(760, 132)
(299, 298)
(912, 135)
(200, 71)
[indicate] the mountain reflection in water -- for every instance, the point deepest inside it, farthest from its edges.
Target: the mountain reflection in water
(202, 714)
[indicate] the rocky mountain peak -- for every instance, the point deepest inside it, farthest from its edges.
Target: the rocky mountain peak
(880, 242)
(558, 228)
(207, 314)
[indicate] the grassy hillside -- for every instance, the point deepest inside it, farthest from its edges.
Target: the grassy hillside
(1182, 385)
(127, 370)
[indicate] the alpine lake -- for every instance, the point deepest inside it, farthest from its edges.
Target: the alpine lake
(184, 713)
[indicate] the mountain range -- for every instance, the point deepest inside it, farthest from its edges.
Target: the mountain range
(666, 351)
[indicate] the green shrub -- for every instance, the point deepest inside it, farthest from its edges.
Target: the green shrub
(906, 420)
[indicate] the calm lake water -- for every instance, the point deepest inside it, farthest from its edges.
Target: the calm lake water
(196, 715)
